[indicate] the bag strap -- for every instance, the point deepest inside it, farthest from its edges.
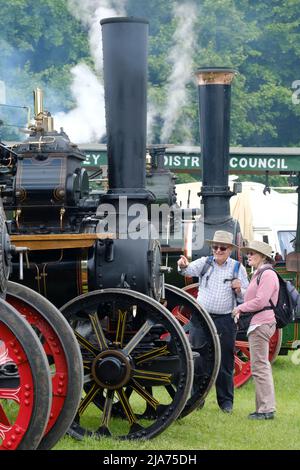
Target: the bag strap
(235, 274)
(258, 280)
(208, 264)
(261, 273)
(262, 309)
(236, 269)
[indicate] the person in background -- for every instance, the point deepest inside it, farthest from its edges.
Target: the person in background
(262, 325)
(278, 258)
(218, 293)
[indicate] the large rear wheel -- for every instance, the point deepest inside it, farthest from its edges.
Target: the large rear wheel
(138, 365)
(25, 385)
(63, 353)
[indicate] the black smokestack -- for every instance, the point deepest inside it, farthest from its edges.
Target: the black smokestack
(214, 89)
(125, 81)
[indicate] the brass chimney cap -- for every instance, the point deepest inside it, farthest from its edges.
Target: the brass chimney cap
(215, 75)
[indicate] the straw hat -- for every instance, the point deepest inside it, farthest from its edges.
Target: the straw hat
(220, 236)
(259, 247)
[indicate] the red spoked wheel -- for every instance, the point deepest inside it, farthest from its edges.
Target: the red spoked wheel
(25, 386)
(63, 353)
(242, 364)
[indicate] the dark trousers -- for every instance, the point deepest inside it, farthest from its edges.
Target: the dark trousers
(226, 329)
(198, 337)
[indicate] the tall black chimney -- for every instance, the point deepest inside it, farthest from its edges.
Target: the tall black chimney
(125, 82)
(214, 89)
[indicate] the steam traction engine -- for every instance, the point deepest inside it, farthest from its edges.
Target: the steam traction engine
(40, 362)
(92, 259)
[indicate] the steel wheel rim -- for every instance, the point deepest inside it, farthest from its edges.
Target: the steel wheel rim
(212, 351)
(135, 404)
(24, 418)
(60, 346)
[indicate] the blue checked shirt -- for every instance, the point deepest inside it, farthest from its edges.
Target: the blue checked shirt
(215, 295)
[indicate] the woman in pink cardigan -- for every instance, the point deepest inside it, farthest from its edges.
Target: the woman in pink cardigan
(262, 325)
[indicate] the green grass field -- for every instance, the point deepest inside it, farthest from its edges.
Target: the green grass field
(211, 429)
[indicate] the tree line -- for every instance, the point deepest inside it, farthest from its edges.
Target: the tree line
(42, 41)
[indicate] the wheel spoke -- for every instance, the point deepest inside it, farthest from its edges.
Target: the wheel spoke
(86, 365)
(179, 316)
(138, 337)
(126, 406)
(88, 399)
(171, 391)
(244, 351)
(4, 430)
(121, 327)
(158, 352)
(103, 429)
(10, 394)
(87, 378)
(242, 344)
(86, 344)
(99, 332)
(238, 362)
(144, 394)
(4, 421)
(152, 375)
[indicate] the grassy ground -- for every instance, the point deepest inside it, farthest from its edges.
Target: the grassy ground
(211, 429)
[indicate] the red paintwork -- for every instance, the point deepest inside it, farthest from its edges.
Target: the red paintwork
(53, 348)
(12, 432)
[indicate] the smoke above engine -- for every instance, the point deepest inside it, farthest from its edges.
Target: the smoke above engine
(86, 122)
(182, 67)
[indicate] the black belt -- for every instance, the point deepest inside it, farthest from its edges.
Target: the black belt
(218, 315)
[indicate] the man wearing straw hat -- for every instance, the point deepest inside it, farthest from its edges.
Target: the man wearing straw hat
(218, 293)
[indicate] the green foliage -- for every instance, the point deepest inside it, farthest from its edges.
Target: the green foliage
(273, 181)
(41, 41)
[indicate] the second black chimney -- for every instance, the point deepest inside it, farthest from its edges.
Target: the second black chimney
(214, 88)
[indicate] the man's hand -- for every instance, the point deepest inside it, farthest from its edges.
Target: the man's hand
(236, 286)
(183, 262)
(235, 314)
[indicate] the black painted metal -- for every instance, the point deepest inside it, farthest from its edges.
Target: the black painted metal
(125, 80)
(214, 121)
(48, 186)
(214, 109)
(153, 348)
(132, 264)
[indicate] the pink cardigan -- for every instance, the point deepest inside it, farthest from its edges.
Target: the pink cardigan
(258, 296)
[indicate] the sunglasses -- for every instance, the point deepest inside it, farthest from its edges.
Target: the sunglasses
(216, 247)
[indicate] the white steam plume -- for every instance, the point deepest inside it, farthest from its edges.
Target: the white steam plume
(90, 13)
(181, 58)
(86, 122)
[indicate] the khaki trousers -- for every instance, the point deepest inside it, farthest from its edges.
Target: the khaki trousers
(261, 367)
